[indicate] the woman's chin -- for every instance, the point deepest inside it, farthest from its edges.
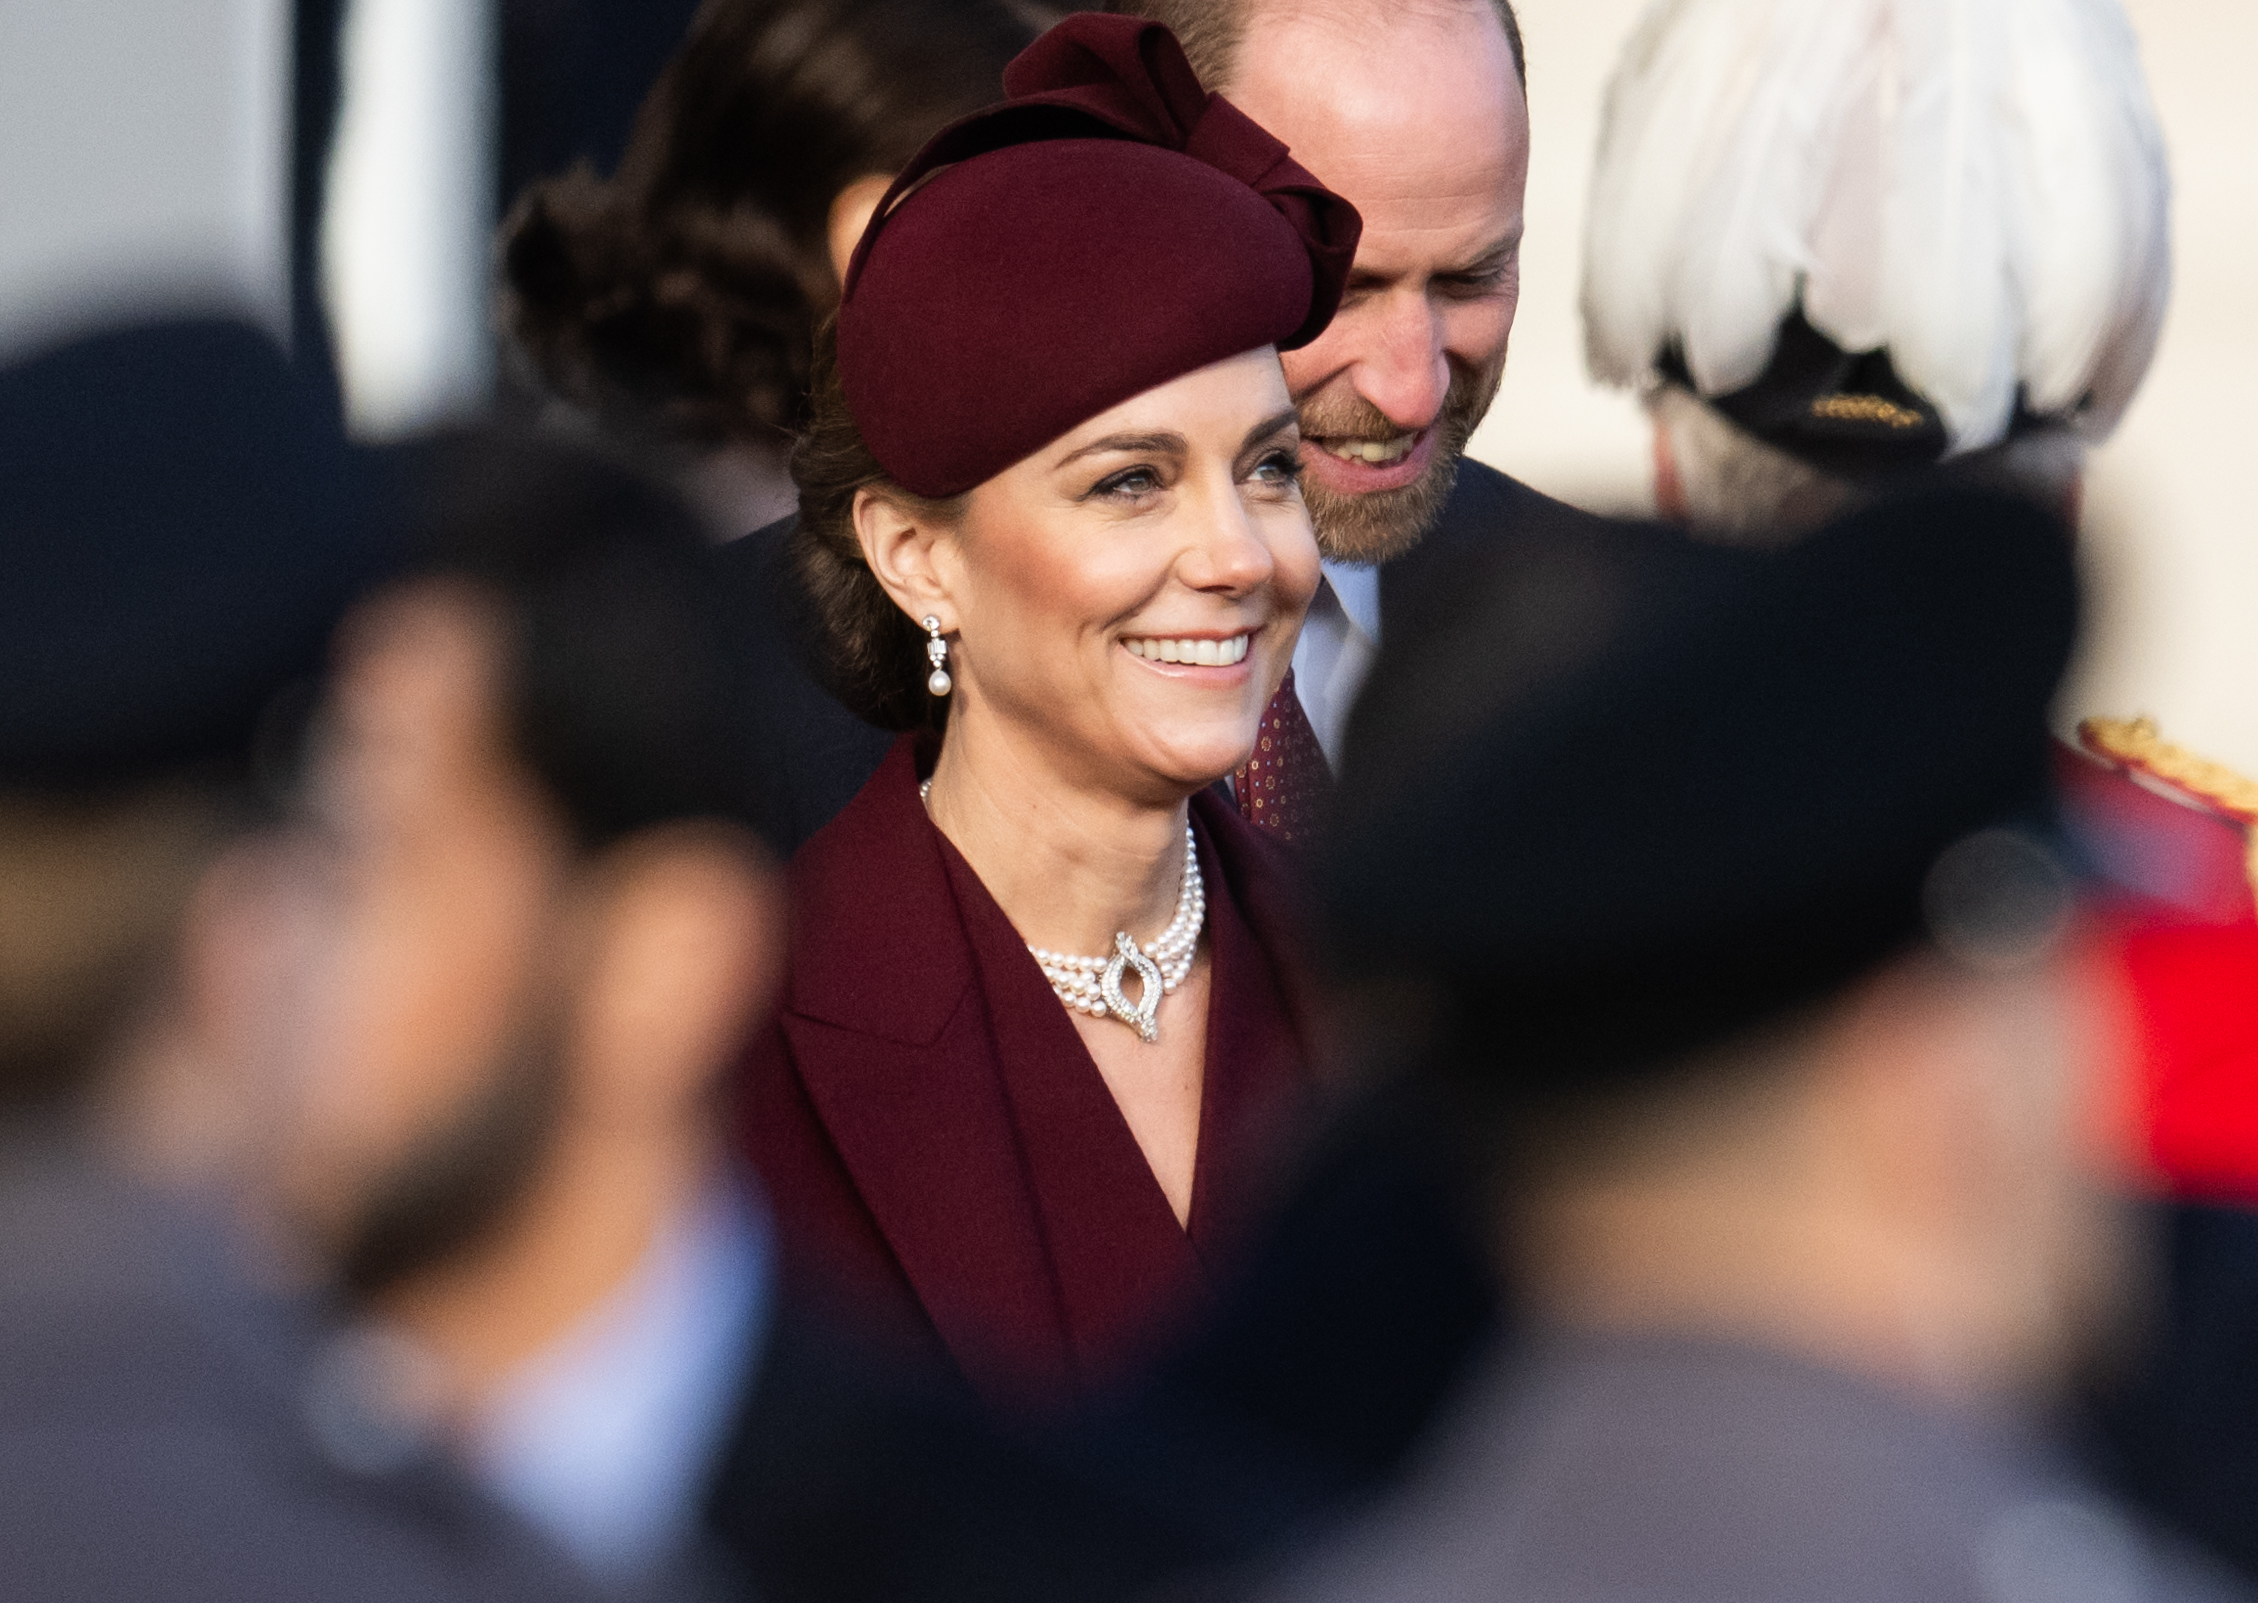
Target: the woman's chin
(1192, 765)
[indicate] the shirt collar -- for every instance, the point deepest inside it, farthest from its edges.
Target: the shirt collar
(1357, 588)
(606, 1440)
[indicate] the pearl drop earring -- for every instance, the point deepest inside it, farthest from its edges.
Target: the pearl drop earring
(937, 653)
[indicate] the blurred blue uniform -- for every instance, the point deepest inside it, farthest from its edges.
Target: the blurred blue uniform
(1637, 1468)
(166, 1432)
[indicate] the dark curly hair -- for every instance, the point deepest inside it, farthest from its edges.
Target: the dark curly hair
(682, 295)
(862, 647)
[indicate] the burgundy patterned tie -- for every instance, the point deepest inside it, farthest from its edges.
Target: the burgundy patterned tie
(1285, 781)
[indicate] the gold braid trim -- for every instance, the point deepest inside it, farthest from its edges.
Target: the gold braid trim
(1865, 409)
(2135, 743)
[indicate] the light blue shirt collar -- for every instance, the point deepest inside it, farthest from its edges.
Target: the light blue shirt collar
(1357, 587)
(607, 1440)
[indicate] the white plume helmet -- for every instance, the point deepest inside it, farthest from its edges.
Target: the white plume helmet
(1978, 186)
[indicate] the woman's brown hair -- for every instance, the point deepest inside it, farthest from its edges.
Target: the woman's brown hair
(682, 295)
(867, 651)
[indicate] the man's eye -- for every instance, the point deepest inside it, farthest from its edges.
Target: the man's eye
(1129, 484)
(1472, 286)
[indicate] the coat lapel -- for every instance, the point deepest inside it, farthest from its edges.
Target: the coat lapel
(1257, 1065)
(971, 1118)
(1266, 887)
(1120, 1260)
(890, 1039)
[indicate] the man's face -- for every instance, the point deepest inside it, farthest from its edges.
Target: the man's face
(428, 1072)
(1415, 114)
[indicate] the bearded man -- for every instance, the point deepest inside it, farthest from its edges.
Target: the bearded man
(1424, 127)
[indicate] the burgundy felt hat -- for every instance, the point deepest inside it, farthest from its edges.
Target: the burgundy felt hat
(1108, 228)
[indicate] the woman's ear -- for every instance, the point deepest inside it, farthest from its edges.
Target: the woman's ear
(851, 211)
(907, 555)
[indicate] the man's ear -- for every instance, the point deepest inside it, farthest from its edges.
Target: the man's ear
(911, 555)
(683, 951)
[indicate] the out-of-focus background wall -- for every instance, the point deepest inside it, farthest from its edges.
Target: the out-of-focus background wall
(143, 160)
(146, 157)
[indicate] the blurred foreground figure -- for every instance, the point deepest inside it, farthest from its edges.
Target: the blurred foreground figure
(1832, 241)
(543, 926)
(177, 544)
(1721, 889)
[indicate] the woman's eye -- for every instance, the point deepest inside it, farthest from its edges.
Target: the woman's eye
(1279, 467)
(1129, 484)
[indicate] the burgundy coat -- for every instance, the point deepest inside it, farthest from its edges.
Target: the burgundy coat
(937, 1143)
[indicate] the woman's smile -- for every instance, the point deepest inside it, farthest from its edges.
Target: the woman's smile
(1191, 650)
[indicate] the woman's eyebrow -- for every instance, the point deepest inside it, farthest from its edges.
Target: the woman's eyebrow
(1262, 432)
(1163, 444)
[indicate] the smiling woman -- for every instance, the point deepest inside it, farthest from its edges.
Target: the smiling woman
(1043, 1010)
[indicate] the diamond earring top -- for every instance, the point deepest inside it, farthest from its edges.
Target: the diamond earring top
(938, 681)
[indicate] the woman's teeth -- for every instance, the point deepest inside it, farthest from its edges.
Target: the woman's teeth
(1376, 452)
(1199, 653)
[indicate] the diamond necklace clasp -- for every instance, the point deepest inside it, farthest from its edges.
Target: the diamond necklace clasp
(1145, 1016)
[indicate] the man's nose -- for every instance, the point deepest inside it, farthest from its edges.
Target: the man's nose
(1402, 367)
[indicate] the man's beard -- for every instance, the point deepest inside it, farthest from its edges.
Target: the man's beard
(452, 1189)
(1382, 526)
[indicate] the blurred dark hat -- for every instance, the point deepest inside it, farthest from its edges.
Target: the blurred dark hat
(1623, 796)
(181, 525)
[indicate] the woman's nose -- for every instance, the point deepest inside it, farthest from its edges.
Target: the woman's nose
(1229, 552)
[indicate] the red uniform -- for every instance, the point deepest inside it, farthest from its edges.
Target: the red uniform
(2182, 919)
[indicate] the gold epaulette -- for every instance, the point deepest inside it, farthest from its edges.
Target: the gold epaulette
(2135, 744)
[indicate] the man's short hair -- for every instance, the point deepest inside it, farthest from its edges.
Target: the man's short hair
(1211, 31)
(1737, 488)
(628, 680)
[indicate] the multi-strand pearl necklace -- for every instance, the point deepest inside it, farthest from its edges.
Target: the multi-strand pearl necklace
(1092, 985)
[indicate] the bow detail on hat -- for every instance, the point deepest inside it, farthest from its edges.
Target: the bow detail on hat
(1102, 76)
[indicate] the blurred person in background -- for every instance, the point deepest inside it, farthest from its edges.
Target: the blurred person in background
(676, 302)
(1792, 1083)
(1902, 233)
(1043, 1020)
(1898, 233)
(180, 537)
(538, 924)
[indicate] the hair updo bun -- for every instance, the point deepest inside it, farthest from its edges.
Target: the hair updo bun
(681, 296)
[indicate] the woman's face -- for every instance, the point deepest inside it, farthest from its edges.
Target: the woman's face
(1129, 596)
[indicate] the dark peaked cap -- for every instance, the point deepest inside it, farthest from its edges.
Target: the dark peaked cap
(1624, 797)
(180, 527)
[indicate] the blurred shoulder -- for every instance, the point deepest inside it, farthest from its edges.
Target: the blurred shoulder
(167, 1431)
